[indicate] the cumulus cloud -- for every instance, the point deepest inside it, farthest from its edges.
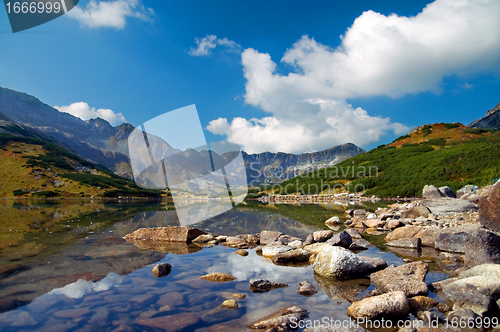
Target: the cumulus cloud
(110, 14)
(84, 111)
(205, 45)
(378, 55)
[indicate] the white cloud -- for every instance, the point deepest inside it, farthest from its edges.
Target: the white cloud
(378, 55)
(205, 45)
(84, 111)
(110, 14)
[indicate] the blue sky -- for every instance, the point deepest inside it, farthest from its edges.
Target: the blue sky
(268, 75)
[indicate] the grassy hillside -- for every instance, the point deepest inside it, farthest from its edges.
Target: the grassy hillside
(31, 167)
(439, 154)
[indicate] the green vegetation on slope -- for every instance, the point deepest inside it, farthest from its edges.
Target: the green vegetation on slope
(35, 168)
(388, 171)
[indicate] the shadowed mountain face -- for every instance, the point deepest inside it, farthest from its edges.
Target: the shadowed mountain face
(99, 142)
(490, 121)
(95, 139)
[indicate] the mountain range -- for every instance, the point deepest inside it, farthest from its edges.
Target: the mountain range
(97, 141)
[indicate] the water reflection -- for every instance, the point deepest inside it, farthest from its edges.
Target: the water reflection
(94, 279)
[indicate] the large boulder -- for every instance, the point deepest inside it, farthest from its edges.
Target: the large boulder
(454, 239)
(342, 239)
(322, 236)
(405, 232)
(316, 248)
(428, 235)
(413, 243)
(172, 234)
(340, 263)
(416, 211)
(489, 209)
(447, 192)
(449, 206)
(385, 305)
(408, 278)
(430, 192)
(483, 246)
(271, 251)
(477, 289)
(292, 256)
(269, 236)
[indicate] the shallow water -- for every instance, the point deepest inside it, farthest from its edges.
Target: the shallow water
(65, 267)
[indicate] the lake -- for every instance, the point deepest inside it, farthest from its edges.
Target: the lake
(64, 266)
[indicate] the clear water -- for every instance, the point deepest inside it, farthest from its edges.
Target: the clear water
(64, 266)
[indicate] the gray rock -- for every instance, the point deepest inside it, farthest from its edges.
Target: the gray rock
(428, 235)
(447, 192)
(354, 233)
(307, 288)
(430, 192)
(468, 189)
(417, 211)
(361, 244)
(316, 248)
(386, 216)
(375, 223)
(359, 213)
(171, 233)
(269, 236)
(449, 206)
(236, 242)
(413, 243)
(483, 246)
(477, 289)
(405, 232)
(393, 224)
(333, 221)
(263, 285)
(474, 198)
(270, 251)
(286, 239)
(296, 244)
(322, 236)
(408, 278)
(454, 239)
(204, 238)
(377, 263)
(342, 239)
(385, 305)
(340, 263)
(162, 270)
(281, 320)
(309, 240)
(291, 256)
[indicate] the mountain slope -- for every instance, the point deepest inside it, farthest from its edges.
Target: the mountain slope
(454, 155)
(31, 167)
(490, 121)
(95, 140)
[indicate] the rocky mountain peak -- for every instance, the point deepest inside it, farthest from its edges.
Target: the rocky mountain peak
(493, 110)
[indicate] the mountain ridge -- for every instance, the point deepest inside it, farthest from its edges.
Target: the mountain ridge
(99, 142)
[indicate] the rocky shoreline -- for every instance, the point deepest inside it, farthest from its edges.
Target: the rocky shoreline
(461, 230)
